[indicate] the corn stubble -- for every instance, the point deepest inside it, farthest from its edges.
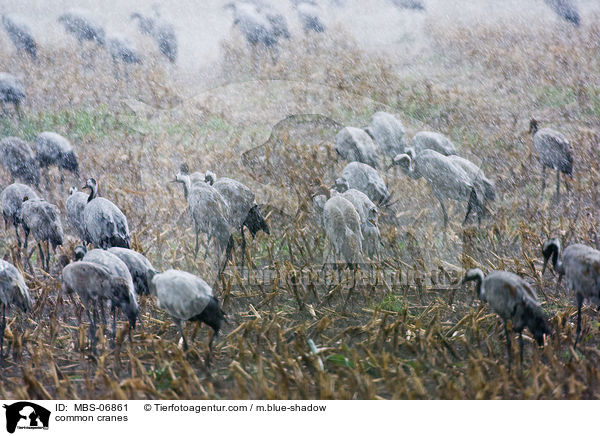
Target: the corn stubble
(417, 338)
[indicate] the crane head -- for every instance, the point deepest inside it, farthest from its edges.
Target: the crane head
(403, 160)
(210, 177)
(551, 248)
(533, 126)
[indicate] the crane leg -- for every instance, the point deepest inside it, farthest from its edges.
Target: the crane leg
(42, 256)
(521, 348)
(208, 238)
(92, 328)
(48, 256)
(469, 206)
(444, 213)
(103, 315)
(508, 347)
(543, 179)
(2, 328)
(578, 333)
(26, 237)
(180, 326)
(197, 247)
(557, 185)
(18, 237)
(243, 248)
(114, 326)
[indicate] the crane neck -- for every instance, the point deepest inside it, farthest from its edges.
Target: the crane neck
(557, 261)
(476, 275)
(93, 193)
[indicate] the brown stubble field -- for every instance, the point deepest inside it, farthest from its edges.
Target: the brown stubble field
(420, 337)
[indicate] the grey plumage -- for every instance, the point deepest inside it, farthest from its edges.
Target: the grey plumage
(105, 225)
(243, 209)
(355, 145)
(432, 141)
(140, 268)
(82, 26)
(117, 268)
(54, 149)
(121, 50)
(366, 179)
(42, 220)
(554, 151)
(566, 9)
(210, 213)
(309, 15)
(11, 91)
(255, 26)
(20, 161)
(483, 186)
(75, 206)
(417, 5)
(96, 285)
(12, 203)
(13, 293)
(341, 223)
(368, 213)
(20, 34)
(514, 300)
(580, 265)
(445, 178)
(187, 297)
(388, 133)
(162, 32)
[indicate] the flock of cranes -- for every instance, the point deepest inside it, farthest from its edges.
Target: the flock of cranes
(84, 27)
(260, 23)
(112, 273)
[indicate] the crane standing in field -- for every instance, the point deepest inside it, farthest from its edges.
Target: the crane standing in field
(117, 268)
(11, 91)
(367, 212)
(255, 27)
(309, 14)
(210, 213)
(96, 285)
(54, 149)
(554, 152)
(20, 161)
(42, 219)
(12, 198)
(105, 225)
(445, 178)
(513, 299)
(13, 292)
(82, 26)
(244, 211)
(566, 9)
(162, 32)
(341, 223)
(187, 297)
(20, 34)
(580, 265)
(75, 205)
